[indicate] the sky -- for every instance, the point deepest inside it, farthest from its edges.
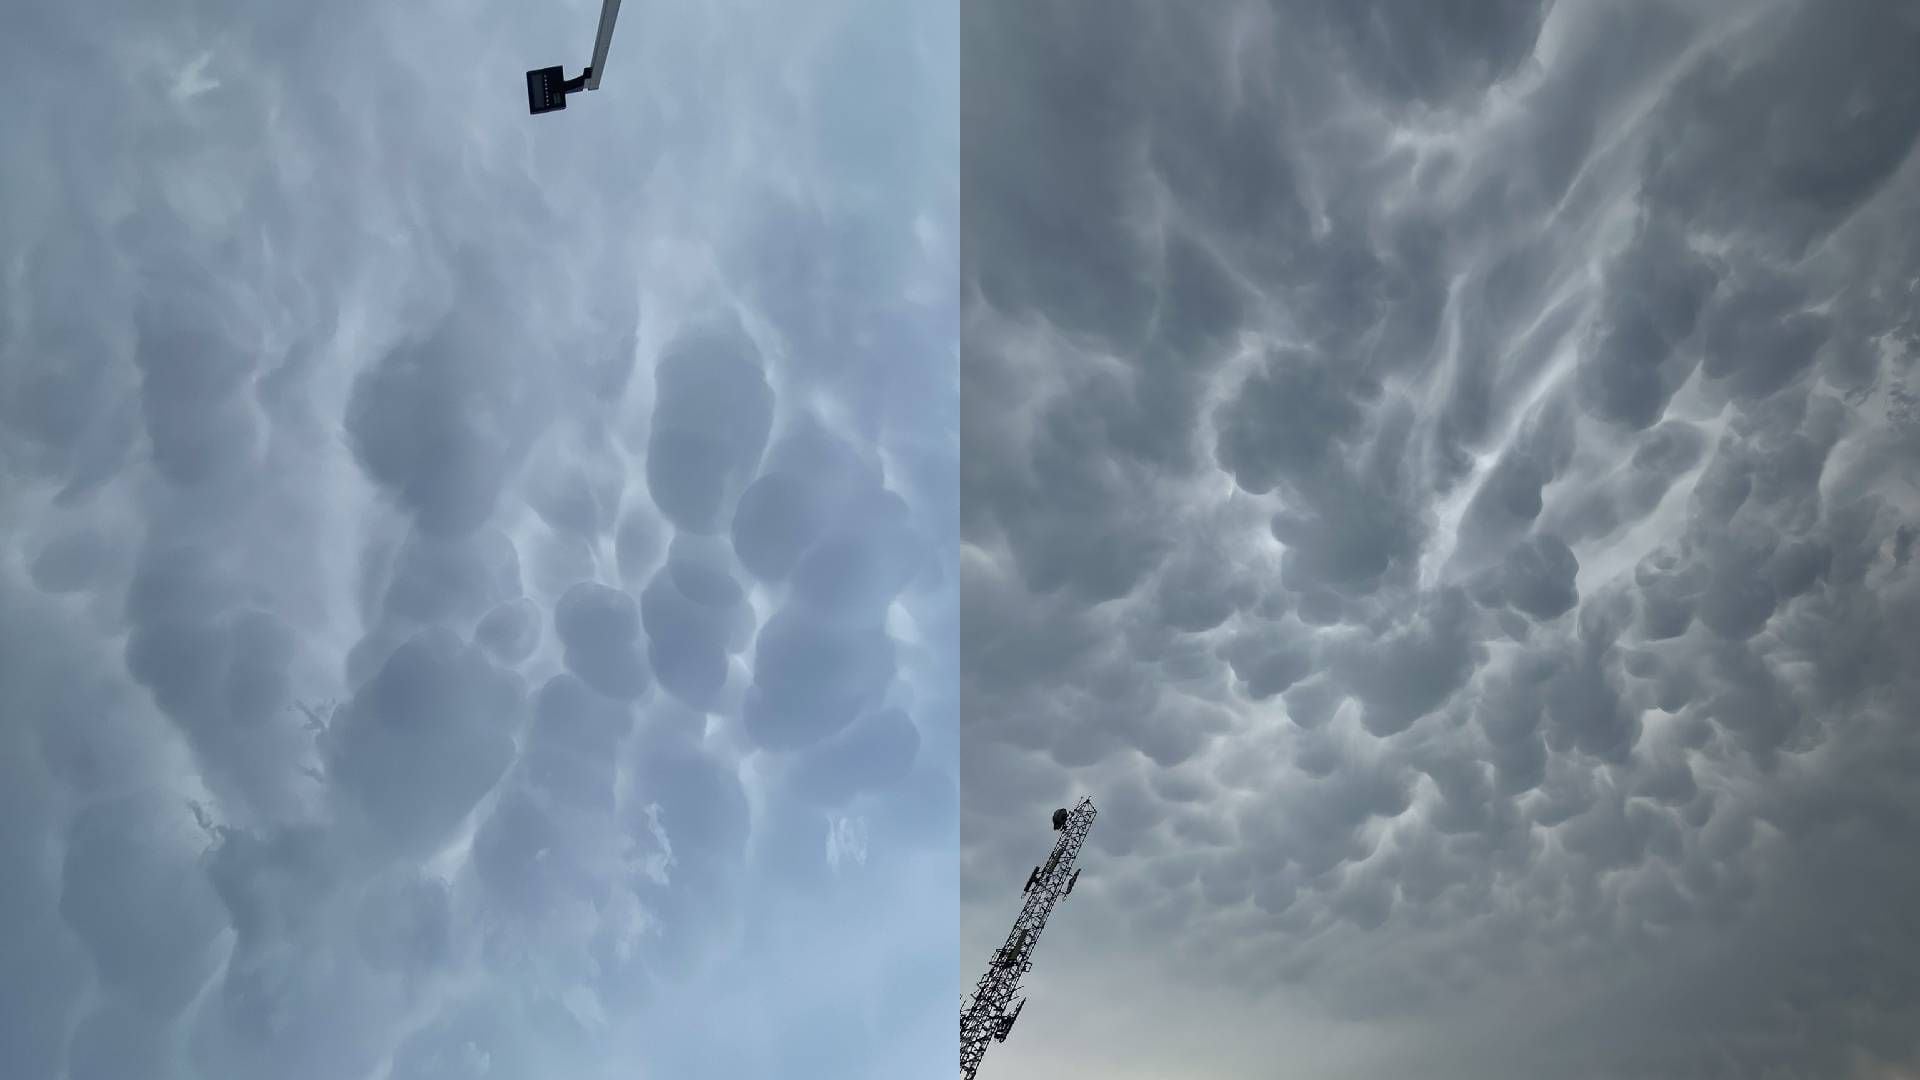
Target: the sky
(499, 596)
(478, 592)
(1441, 477)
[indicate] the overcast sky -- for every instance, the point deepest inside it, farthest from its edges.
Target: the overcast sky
(478, 594)
(1442, 477)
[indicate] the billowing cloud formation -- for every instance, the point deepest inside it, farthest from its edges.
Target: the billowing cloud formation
(478, 591)
(425, 738)
(1437, 475)
(712, 412)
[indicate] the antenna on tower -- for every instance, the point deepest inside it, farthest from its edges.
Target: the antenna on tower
(988, 1016)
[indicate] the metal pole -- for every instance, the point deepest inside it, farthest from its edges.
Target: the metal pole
(602, 39)
(988, 1014)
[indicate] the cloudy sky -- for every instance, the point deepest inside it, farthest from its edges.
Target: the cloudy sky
(478, 593)
(1441, 477)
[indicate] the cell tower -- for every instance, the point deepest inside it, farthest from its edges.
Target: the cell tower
(985, 1017)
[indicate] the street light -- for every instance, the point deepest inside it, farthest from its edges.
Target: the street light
(547, 88)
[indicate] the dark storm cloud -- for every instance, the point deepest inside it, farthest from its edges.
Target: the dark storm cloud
(712, 412)
(1783, 140)
(436, 581)
(384, 621)
(1432, 54)
(811, 678)
(876, 750)
(856, 569)
(510, 631)
(426, 421)
(424, 739)
(1434, 474)
(1634, 361)
(1538, 577)
(133, 892)
(600, 629)
(1410, 671)
(696, 617)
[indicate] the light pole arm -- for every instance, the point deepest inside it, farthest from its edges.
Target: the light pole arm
(602, 39)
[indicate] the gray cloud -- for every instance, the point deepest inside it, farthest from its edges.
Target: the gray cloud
(428, 420)
(1435, 475)
(133, 892)
(811, 678)
(877, 750)
(387, 615)
(424, 739)
(599, 627)
(712, 412)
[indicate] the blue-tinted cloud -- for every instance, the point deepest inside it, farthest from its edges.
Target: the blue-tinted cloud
(387, 618)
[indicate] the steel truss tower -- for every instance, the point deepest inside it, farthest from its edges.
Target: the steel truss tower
(985, 1017)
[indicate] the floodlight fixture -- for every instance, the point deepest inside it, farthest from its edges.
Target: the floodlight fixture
(547, 88)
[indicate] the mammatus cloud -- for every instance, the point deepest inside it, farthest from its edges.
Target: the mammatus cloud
(1438, 476)
(478, 593)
